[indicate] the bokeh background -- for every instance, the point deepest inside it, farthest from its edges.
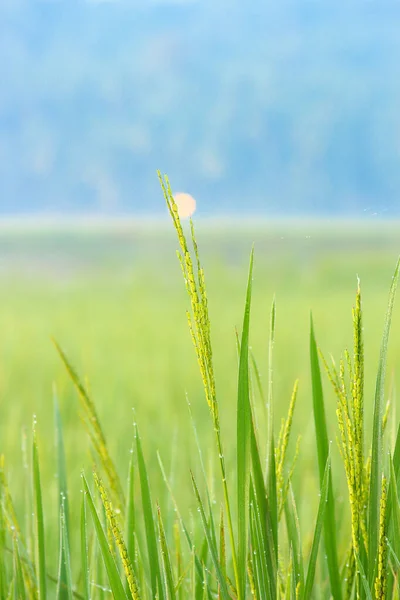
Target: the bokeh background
(254, 107)
(282, 120)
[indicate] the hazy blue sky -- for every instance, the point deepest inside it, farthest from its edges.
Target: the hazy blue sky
(261, 107)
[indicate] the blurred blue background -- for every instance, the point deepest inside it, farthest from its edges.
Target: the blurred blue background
(261, 107)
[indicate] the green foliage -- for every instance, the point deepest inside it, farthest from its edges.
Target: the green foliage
(245, 537)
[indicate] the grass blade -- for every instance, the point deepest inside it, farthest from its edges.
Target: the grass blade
(377, 438)
(39, 523)
(198, 565)
(293, 528)
(395, 506)
(62, 496)
(213, 550)
(18, 574)
(130, 513)
(64, 586)
(3, 529)
(271, 515)
(154, 562)
(323, 452)
(364, 579)
(84, 550)
(243, 441)
(317, 534)
(169, 578)
(109, 562)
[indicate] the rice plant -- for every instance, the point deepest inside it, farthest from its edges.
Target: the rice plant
(250, 543)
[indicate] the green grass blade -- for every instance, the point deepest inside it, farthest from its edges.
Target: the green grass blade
(199, 568)
(260, 555)
(264, 514)
(203, 470)
(243, 441)
(166, 559)
(394, 556)
(293, 528)
(154, 562)
(396, 453)
(114, 578)
(64, 586)
(395, 509)
(84, 551)
(377, 438)
(317, 534)
(39, 523)
(271, 466)
(61, 463)
(213, 549)
(364, 579)
(271, 449)
(321, 436)
(130, 513)
(20, 593)
(62, 495)
(3, 529)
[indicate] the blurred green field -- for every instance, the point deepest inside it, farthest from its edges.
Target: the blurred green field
(114, 299)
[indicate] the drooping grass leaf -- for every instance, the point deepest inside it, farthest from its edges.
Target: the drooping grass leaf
(95, 431)
(109, 562)
(317, 534)
(244, 418)
(321, 436)
(39, 523)
(377, 438)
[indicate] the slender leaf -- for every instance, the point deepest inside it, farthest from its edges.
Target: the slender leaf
(154, 562)
(84, 550)
(377, 438)
(211, 546)
(130, 513)
(62, 496)
(39, 523)
(321, 436)
(19, 587)
(167, 568)
(395, 509)
(64, 587)
(293, 528)
(364, 579)
(109, 562)
(317, 534)
(243, 440)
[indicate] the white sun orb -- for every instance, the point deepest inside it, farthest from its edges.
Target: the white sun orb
(186, 205)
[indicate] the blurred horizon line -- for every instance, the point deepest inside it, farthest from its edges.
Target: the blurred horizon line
(29, 222)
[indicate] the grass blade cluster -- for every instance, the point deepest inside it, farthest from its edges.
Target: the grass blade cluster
(245, 539)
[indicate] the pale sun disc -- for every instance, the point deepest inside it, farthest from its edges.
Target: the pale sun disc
(186, 205)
